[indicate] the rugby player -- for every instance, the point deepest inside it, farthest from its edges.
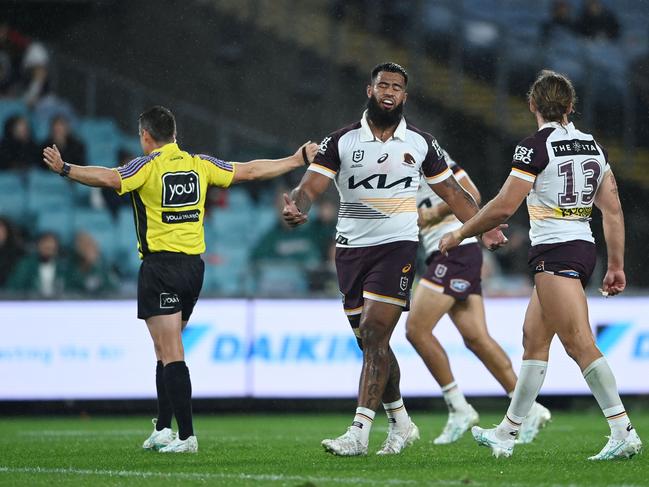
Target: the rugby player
(562, 172)
(168, 188)
(376, 164)
(452, 285)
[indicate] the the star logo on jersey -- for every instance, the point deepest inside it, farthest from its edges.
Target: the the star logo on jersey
(408, 159)
(576, 145)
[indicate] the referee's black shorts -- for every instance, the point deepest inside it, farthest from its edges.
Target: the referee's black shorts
(169, 282)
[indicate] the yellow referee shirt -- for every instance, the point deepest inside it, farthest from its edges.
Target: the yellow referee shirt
(168, 189)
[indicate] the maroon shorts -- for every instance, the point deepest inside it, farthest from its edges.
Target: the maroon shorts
(574, 259)
(458, 274)
(381, 273)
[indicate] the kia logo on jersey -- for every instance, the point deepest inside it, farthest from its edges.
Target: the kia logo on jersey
(180, 189)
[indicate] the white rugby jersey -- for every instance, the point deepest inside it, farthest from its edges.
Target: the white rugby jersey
(377, 181)
(566, 167)
(426, 197)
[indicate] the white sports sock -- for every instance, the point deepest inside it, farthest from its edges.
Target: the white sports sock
(455, 400)
(397, 415)
(601, 381)
(527, 388)
(362, 423)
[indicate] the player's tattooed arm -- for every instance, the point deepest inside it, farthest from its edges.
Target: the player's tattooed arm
(432, 215)
(608, 201)
(459, 200)
(302, 200)
(298, 203)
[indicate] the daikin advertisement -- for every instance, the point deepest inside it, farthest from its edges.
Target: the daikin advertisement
(278, 349)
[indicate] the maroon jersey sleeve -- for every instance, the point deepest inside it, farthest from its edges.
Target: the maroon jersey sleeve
(434, 165)
(327, 160)
(531, 156)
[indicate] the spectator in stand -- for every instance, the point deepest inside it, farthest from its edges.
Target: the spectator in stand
(10, 249)
(12, 48)
(17, 148)
(88, 273)
(598, 22)
(71, 148)
(35, 74)
(560, 20)
(282, 244)
(41, 273)
(324, 226)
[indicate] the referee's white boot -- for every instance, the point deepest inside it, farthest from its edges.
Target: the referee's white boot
(158, 439)
(346, 445)
(190, 445)
(398, 440)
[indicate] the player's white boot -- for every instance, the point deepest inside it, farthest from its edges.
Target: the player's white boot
(190, 445)
(457, 424)
(537, 418)
(158, 439)
(626, 448)
(346, 445)
(488, 437)
(398, 440)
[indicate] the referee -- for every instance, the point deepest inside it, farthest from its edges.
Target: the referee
(168, 188)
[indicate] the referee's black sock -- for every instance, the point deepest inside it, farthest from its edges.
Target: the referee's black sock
(165, 412)
(179, 391)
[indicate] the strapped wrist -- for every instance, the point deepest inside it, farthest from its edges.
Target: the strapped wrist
(65, 170)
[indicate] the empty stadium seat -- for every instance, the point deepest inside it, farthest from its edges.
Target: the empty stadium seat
(13, 204)
(44, 181)
(280, 279)
(38, 201)
(57, 222)
(8, 108)
(102, 139)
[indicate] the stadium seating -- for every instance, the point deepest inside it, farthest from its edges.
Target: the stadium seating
(9, 107)
(102, 139)
(57, 222)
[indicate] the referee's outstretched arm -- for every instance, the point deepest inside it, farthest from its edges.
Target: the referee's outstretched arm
(98, 176)
(271, 168)
(254, 170)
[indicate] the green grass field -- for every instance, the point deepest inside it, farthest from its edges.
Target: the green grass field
(284, 450)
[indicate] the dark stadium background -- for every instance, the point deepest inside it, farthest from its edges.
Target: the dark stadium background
(255, 78)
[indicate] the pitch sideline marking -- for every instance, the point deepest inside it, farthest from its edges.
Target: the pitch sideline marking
(244, 476)
(198, 476)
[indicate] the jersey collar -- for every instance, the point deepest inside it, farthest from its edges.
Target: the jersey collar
(556, 125)
(171, 146)
(366, 134)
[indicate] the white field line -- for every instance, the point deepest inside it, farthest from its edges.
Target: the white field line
(63, 433)
(211, 476)
(255, 477)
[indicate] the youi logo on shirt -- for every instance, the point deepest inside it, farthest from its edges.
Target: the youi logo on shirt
(180, 189)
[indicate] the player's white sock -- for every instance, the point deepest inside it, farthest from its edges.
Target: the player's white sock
(362, 423)
(601, 381)
(455, 400)
(397, 414)
(527, 388)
